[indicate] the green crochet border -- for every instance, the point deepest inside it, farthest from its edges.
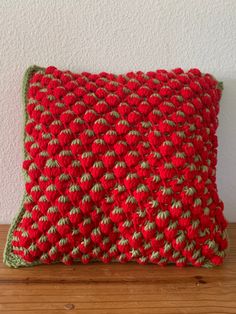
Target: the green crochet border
(9, 258)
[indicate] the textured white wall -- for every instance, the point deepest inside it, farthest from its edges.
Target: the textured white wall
(114, 36)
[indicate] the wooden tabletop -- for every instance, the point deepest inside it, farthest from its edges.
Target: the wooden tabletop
(119, 288)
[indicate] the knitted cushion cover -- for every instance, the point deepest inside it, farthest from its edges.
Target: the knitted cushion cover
(119, 168)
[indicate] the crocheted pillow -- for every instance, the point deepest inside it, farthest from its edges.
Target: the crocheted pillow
(119, 168)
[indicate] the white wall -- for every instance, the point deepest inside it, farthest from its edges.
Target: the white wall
(115, 36)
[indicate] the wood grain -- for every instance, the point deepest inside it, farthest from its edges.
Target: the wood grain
(119, 288)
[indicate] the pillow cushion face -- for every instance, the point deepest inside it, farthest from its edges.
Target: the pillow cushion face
(119, 168)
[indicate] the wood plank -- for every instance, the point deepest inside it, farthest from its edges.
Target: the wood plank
(118, 288)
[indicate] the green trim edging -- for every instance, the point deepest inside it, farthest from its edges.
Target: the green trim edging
(9, 258)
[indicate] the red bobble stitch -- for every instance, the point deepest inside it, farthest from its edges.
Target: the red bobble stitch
(34, 172)
(166, 126)
(29, 186)
(177, 138)
(75, 169)
(189, 149)
(97, 169)
(133, 137)
(149, 230)
(50, 69)
(108, 181)
(35, 193)
(71, 86)
(87, 159)
(63, 205)
(74, 193)
(170, 233)
(43, 182)
(86, 206)
(79, 108)
(36, 77)
(30, 125)
(86, 226)
(133, 84)
(166, 148)
(45, 80)
(178, 160)
(167, 171)
(174, 84)
(109, 159)
(99, 146)
(112, 117)
(120, 170)
(101, 93)
(33, 90)
(217, 260)
(65, 137)
(25, 240)
(43, 223)
(59, 92)
(188, 108)
(124, 109)
(120, 148)
(64, 158)
(165, 91)
(34, 233)
(26, 164)
(112, 100)
(166, 107)
(90, 99)
(122, 127)
(110, 137)
(106, 225)
(123, 245)
(69, 99)
(66, 77)
(63, 226)
(144, 91)
(186, 92)
(56, 127)
(154, 99)
(184, 220)
(67, 116)
(134, 117)
(101, 107)
(51, 193)
(97, 192)
(75, 216)
(133, 100)
(144, 107)
(132, 158)
(195, 71)
(141, 193)
(87, 137)
(131, 181)
(100, 126)
(54, 147)
(117, 215)
(207, 250)
(34, 150)
(46, 118)
(161, 75)
(90, 86)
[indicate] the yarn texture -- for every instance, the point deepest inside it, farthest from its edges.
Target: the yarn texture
(119, 168)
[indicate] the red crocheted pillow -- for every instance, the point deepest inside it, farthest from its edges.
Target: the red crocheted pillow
(119, 167)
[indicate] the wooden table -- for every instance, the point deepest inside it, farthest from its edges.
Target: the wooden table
(118, 288)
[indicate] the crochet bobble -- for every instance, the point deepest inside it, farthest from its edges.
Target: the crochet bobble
(121, 167)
